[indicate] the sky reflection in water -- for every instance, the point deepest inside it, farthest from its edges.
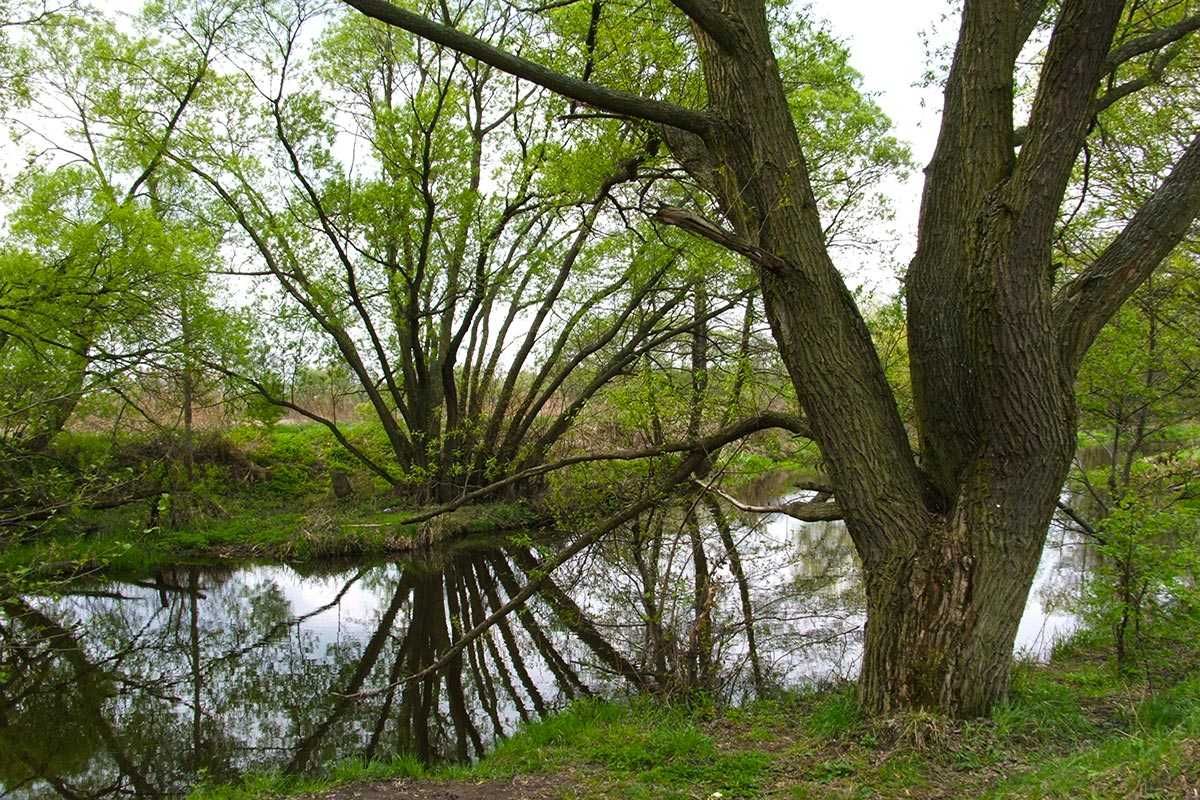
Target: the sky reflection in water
(145, 686)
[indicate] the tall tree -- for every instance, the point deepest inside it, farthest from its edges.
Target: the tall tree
(469, 259)
(103, 287)
(458, 280)
(949, 531)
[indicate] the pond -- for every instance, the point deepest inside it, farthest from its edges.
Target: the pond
(145, 686)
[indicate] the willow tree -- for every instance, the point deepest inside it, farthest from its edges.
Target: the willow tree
(949, 528)
(460, 257)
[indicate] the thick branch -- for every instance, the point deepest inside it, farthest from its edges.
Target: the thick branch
(623, 103)
(708, 17)
(707, 444)
(973, 157)
(1059, 121)
(1154, 75)
(1085, 304)
(1151, 41)
(1031, 15)
(818, 485)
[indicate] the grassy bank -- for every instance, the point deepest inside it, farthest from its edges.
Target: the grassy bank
(116, 543)
(267, 493)
(1071, 729)
(254, 493)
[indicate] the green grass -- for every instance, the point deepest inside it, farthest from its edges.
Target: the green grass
(1069, 729)
(636, 749)
(118, 544)
(1155, 752)
(283, 511)
(639, 749)
(339, 774)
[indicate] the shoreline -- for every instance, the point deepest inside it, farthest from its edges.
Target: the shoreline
(258, 534)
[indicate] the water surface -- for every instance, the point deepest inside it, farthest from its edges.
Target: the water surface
(145, 686)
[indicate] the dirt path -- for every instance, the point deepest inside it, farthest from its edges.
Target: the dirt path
(523, 787)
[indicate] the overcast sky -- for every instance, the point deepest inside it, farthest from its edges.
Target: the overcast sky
(884, 39)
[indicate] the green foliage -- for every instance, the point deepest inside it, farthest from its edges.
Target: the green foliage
(1145, 589)
(262, 411)
(1138, 388)
(578, 494)
(463, 195)
(888, 330)
(1137, 474)
(841, 128)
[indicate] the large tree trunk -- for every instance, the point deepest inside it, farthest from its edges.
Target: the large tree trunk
(949, 555)
(943, 612)
(949, 547)
(935, 637)
(942, 618)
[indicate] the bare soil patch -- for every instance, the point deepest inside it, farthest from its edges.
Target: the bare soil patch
(522, 787)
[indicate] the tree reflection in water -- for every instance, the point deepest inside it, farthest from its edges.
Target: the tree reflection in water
(142, 686)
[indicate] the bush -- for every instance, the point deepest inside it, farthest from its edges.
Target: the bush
(1145, 589)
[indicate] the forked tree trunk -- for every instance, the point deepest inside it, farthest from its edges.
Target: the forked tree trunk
(950, 554)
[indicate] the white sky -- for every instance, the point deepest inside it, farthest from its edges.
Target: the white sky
(884, 40)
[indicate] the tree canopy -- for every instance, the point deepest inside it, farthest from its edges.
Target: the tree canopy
(520, 239)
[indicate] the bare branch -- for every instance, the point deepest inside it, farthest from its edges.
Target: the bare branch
(698, 455)
(333, 428)
(1154, 75)
(699, 226)
(805, 511)
(172, 123)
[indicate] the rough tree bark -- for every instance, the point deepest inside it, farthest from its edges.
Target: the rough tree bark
(949, 539)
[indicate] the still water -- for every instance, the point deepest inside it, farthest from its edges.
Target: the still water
(145, 686)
